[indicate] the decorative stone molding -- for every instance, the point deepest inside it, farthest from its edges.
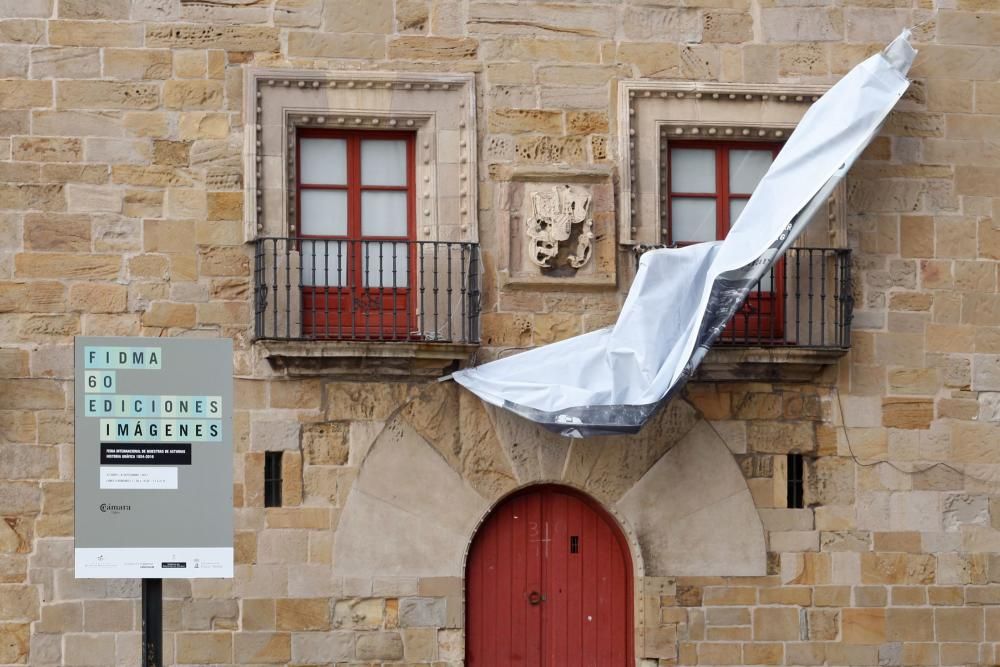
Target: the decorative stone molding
(556, 227)
(439, 108)
(651, 113)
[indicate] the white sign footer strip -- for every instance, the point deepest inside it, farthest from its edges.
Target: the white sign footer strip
(154, 562)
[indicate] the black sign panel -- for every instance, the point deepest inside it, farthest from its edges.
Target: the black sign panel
(143, 454)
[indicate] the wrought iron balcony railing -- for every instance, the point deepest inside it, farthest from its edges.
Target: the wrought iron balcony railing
(366, 290)
(805, 300)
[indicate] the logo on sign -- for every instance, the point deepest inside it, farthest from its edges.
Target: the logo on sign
(115, 509)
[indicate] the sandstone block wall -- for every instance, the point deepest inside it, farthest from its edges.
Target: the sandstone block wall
(121, 213)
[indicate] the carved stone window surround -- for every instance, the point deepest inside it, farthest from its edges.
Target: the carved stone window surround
(652, 112)
(440, 108)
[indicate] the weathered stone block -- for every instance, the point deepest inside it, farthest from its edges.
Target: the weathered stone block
(262, 647)
(974, 442)
(525, 120)
(225, 205)
(863, 626)
(317, 648)
(32, 296)
(422, 612)
(109, 615)
(781, 437)
(87, 650)
(226, 37)
(145, 124)
(22, 94)
(959, 624)
(166, 315)
(379, 646)
(17, 31)
(65, 63)
(94, 33)
(106, 95)
(727, 27)
(909, 413)
(193, 95)
(320, 45)
(83, 9)
(364, 401)
(359, 614)
(829, 481)
(258, 614)
(137, 64)
(314, 518)
(98, 297)
(667, 24)
(190, 65)
(274, 435)
(204, 647)
(303, 614)
(802, 24)
(345, 16)
(223, 261)
(776, 624)
(28, 462)
(326, 443)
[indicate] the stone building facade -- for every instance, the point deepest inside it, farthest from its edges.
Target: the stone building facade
(147, 146)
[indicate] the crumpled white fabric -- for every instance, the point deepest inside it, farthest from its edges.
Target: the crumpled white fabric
(614, 379)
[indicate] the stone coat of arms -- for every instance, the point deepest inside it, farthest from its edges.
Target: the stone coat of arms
(551, 216)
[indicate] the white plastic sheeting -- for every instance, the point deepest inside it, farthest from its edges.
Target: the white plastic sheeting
(613, 380)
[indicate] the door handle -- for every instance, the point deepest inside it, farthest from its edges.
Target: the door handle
(534, 597)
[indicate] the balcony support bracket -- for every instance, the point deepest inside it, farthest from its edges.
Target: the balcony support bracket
(791, 364)
(364, 360)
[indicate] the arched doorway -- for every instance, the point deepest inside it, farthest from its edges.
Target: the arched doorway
(549, 584)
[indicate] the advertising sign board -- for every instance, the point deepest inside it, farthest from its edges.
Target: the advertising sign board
(154, 451)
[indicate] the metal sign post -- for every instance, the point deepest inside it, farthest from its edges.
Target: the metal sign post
(152, 622)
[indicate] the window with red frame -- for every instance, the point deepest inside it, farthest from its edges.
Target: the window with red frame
(708, 185)
(355, 203)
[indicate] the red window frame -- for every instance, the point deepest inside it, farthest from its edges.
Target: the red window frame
(762, 316)
(722, 194)
(352, 310)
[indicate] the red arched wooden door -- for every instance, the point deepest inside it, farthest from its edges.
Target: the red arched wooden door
(549, 584)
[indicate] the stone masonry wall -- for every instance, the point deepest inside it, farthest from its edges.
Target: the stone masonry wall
(121, 202)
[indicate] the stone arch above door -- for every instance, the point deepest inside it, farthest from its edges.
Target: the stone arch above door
(444, 459)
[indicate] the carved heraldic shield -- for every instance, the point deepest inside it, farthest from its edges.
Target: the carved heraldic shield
(550, 222)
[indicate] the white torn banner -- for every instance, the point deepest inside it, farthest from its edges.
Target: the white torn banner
(613, 380)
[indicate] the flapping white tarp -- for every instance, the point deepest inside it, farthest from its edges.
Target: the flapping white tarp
(613, 380)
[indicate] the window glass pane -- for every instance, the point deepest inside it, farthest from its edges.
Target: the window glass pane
(736, 207)
(746, 168)
(324, 263)
(692, 220)
(323, 161)
(324, 212)
(385, 264)
(383, 162)
(383, 213)
(692, 170)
